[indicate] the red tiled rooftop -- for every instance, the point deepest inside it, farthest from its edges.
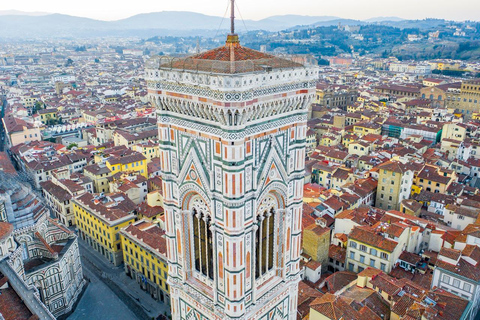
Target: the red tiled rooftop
(149, 234)
(12, 307)
(219, 60)
(369, 237)
(5, 230)
(6, 165)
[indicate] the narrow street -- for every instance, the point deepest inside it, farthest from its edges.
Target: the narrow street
(100, 302)
(3, 139)
(115, 282)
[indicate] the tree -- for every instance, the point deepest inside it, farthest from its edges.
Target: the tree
(36, 107)
(323, 62)
(69, 62)
(72, 145)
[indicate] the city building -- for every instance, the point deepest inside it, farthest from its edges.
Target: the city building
(125, 138)
(434, 179)
(99, 219)
(469, 97)
(134, 161)
(18, 131)
(366, 248)
(334, 96)
(399, 90)
(316, 242)
(59, 195)
(150, 149)
(48, 116)
(99, 173)
(134, 185)
(394, 184)
(442, 95)
(457, 271)
(145, 257)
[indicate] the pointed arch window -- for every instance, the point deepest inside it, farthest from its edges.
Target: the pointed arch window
(265, 238)
(202, 242)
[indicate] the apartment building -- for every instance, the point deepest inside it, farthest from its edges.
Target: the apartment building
(99, 219)
(145, 257)
(394, 184)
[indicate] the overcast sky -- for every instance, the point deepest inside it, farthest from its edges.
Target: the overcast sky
(258, 9)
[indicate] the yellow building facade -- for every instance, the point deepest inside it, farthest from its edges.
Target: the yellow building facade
(149, 150)
(364, 129)
(330, 140)
(134, 162)
(48, 115)
(434, 179)
(99, 222)
(394, 185)
(361, 254)
(99, 174)
(145, 260)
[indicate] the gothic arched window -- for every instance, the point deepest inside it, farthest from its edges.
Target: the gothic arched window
(202, 241)
(264, 238)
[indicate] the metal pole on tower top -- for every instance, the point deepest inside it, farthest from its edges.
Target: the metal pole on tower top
(232, 17)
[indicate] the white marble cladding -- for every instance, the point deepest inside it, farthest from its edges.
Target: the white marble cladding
(230, 118)
(232, 100)
(227, 82)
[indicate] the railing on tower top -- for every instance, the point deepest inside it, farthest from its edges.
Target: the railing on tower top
(215, 66)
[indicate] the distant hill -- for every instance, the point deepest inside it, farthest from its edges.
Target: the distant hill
(345, 22)
(175, 20)
(382, 19)
(22, 13)
(52, 25)
(420, 24)
(287, 21)
(16, 24)
(59, 25)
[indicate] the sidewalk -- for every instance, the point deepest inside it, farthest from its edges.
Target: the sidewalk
(117, 275)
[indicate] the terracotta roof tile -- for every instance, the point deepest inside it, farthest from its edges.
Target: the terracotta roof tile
(450, 253)
(368, 236)
(11, 305)
(231, 58)
(148, 233)
(5, 230)
(337, 253)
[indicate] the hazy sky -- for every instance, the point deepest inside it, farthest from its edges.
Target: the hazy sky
(258, 9)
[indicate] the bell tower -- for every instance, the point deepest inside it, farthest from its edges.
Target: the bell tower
(232, 129)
